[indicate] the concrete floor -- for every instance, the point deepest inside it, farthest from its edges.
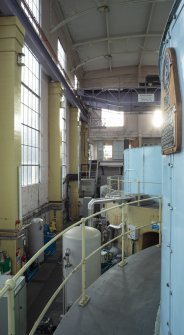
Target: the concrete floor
(124, 301)
(41, 288)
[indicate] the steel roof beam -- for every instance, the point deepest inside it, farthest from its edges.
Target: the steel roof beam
(115, 38)
(108, 38)
(71, 18)
(147, 32)
(87, 11)
(94, 59)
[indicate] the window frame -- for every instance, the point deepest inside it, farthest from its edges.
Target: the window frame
(30, 119)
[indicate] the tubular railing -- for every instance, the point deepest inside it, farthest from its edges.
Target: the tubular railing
(117, 185)
(11, 283)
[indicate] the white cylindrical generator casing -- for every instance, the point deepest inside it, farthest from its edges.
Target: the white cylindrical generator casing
(36, 237)
(72, 240)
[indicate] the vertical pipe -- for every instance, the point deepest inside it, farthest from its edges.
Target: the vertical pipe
(118, 183)
(122, 231)
(84, 298)
(107, 185)
(79, 150)
(20, 192)
(83, 260)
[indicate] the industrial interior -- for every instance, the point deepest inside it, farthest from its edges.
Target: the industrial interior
(91, 171)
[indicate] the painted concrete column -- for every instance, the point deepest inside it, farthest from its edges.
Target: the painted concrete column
(74, 141)
(55, 163)
(11, 42)
(84, 144)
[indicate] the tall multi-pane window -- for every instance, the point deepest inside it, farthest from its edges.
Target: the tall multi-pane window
(63, 121)
(61, 57)
(30, 113)
(63, 145)
(75, 82)
(34, 6)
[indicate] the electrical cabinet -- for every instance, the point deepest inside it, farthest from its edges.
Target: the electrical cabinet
(20, 307)
(134, 233)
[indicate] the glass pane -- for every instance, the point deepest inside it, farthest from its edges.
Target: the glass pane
(34, 156)
(37, 101)
(29, 179)
(36, 139)
(33, 138)
(37, 174)
(22, 134)
(36, 121)
(30, 82)
(29, 155)
(25, 118)
(25, 137)
(26, 96)
(33, 174)
(29, 136)
(25, 177)
(25, 155)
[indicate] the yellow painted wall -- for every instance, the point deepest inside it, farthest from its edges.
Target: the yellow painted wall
(11, 42)
(115, 215)
(140, 216)
(84, 145)
(74, 141)
(133, 215)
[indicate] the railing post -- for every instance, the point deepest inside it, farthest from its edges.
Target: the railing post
(84, 298)
(11, 306)
(123, 261)
(118, 184)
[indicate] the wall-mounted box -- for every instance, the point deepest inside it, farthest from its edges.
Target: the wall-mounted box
(134, 232)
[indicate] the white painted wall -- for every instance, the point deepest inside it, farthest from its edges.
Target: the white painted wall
(117, 149)
(135, 125)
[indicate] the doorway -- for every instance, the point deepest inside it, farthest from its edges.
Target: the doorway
(149, 239)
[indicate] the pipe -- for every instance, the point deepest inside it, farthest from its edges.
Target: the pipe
(103, 201)
(19, 192)
(43, 55)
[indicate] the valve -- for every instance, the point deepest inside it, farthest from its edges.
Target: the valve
(67, 258)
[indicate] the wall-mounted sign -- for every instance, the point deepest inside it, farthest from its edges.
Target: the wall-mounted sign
(155, 226)
(146, 97)
(171, 105)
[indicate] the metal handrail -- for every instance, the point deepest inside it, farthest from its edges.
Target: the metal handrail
(11, 283)
(136, 181)
(116, 184)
